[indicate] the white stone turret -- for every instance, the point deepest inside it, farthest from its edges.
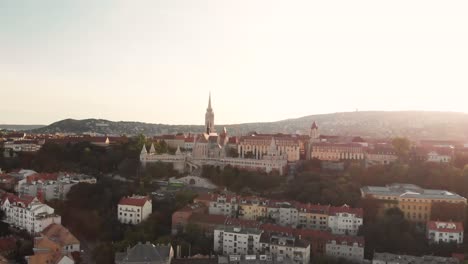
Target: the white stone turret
(143, 150)
(152, 149)
(178, 152)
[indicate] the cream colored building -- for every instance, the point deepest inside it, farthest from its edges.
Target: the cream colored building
(414, 201)
(257, 146)
(337, 151)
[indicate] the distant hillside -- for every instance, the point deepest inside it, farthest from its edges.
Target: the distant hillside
(19, 127)
(412, 124)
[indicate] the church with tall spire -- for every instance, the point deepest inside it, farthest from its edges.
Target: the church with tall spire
(209, 118)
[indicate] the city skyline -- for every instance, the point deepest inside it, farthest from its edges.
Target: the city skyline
(262, 60)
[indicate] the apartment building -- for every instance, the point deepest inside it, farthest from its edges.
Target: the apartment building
(28, 213)
(236, 240)
(345, 220)
(347, 247)
(286, 246)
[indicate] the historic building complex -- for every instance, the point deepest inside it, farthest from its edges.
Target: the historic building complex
(211, 148)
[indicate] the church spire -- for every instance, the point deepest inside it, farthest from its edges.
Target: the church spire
(209, 103)
(209, 118)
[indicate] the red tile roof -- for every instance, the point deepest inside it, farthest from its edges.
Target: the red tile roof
(12, 198)
(448, 227)
(347, 239)
(42, 177)
(346, 209)
(134, 201)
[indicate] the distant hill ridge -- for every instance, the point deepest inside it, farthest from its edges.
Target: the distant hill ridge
(377, 124)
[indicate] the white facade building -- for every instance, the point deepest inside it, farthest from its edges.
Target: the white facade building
(444, 232)
(236, 240)
(351, 248)
(224, 205)
(51, 188)
(284, 214)
(28, 213)
(345, 220)
(134, 209)
(289, 247)
(439, 156)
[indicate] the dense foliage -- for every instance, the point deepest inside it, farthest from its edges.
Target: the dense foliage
(241, 180)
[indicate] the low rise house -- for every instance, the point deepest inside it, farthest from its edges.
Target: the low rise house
(134, 209)
(347, 247)
(180, 218)
(145, 253)
(27, 212)
(48, 251)
(444, 232)
(63, 237)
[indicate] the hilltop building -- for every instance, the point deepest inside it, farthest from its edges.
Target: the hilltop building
(210, 148)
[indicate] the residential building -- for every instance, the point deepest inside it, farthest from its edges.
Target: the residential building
(284, 213)
(26, 212)
(414, 201)
(63, 237)
(345, 220)
(47, 250)
(134, 209)
(314, 216)
(253, 209)
(288, 247)
(227, 205)
(51, 186)
(388, 258)
(347, 247)
(180, 218)
(444, 232)
(145, 253)
(236, 240)
(253, 259)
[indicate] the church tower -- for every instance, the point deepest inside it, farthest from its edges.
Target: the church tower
(209, 118)
(314, 133)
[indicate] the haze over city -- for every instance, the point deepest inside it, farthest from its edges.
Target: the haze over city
(156, 61)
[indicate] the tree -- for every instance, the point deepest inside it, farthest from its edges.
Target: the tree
(402, 147)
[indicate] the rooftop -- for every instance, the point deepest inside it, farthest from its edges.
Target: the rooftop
(410, 191)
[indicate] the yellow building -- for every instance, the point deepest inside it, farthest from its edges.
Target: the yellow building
(253, 208)
(414, 201)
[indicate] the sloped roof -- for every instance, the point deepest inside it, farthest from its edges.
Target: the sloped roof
(134, 200)
(60, 234)
(142, 253)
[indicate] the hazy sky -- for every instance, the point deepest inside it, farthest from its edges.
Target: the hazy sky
(156, 61)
